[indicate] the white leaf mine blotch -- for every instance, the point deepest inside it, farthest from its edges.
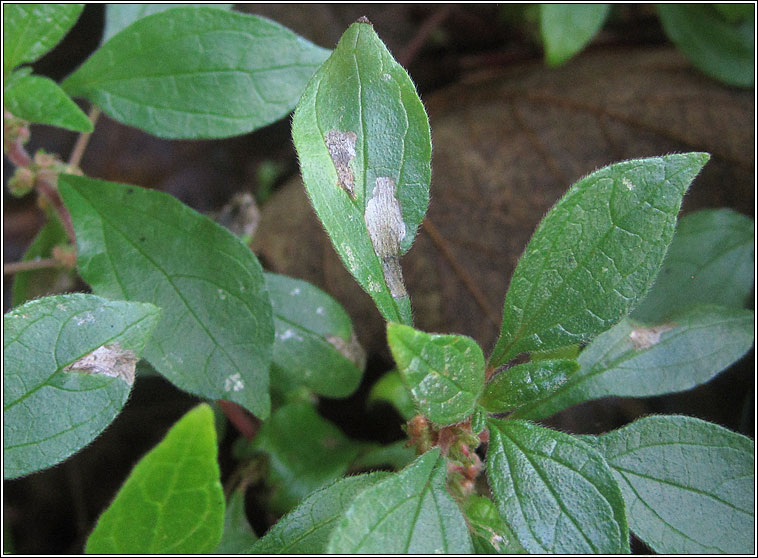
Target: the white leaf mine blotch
(109, 360)
(645, 337)
(234, 383)
(341, 146)
(352, 349)
(384, 221)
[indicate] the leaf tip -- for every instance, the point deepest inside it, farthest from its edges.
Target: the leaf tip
(364, 19)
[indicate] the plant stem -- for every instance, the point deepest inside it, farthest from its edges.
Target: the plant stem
(83, 140)
(242, 421)
(50, 192)
(29, 265)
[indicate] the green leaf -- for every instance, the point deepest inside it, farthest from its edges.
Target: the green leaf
(216, 330)
(411, 512)
(121, 16)
(710, 260)
(445, 373)
(688, 484)
(594, 255)
(172, 502)
(567, 28)
(306, 529)
(238, 536)
(305, 452)
(363, 140)
(40, 282)
(490, 534)
(396, 455)
(314, 344)
(736, 12)
(524, 383)
(68, 367)
(556, 492)
(631, 360)
(221, 73)
(724, 51)
(40, 100)
(31, 30)
(390, 388)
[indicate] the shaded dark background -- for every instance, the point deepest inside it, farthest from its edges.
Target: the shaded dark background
(510, 136)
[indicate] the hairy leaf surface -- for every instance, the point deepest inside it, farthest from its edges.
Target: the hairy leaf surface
(556, 492)
(314, 344)
(364, 144)
(410, 512)
(525, 383)
(445, 373)
(57, 396)
(221, 73)
(595, 254)
(121, 16)
(306, 529)
(633, 360)
(688, 484)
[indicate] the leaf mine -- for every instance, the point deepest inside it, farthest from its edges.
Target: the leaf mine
(341, 146)
(109, 360)
(384, 221)
(645, 337)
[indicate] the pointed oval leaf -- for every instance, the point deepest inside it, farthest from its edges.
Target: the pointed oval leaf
(445, 373)
(68, 367)
(40, 100)
(524, 383)
(718, 48)
(306, 529)
(363, 140)
(305, 452)
(632, 360)
(688, 484)
(216, 330)
(121, 16)
(172, 502)
(556, 492)
(221, 73)
(595, 254)
(238, 536)
(31, 30)
(710, 260)
(314, 344)
(568, 28)
(410, 512)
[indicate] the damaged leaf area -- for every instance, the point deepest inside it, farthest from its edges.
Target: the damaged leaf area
(50, 410)
(360, 129)
(645, 337)
(109, 360)
(314, 344)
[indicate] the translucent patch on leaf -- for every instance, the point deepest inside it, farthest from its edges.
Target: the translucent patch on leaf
(384, 221)
(627, 183)
(351, 349)
(645, 337)
(109, 360)
(341, 146)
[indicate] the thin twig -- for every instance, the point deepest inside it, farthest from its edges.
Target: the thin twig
(246, 424)
(459, 270)
(50, 192)
(81, 142)
(430, 24)
(29, 265)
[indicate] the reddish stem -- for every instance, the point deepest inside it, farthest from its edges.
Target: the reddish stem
(246, 424)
